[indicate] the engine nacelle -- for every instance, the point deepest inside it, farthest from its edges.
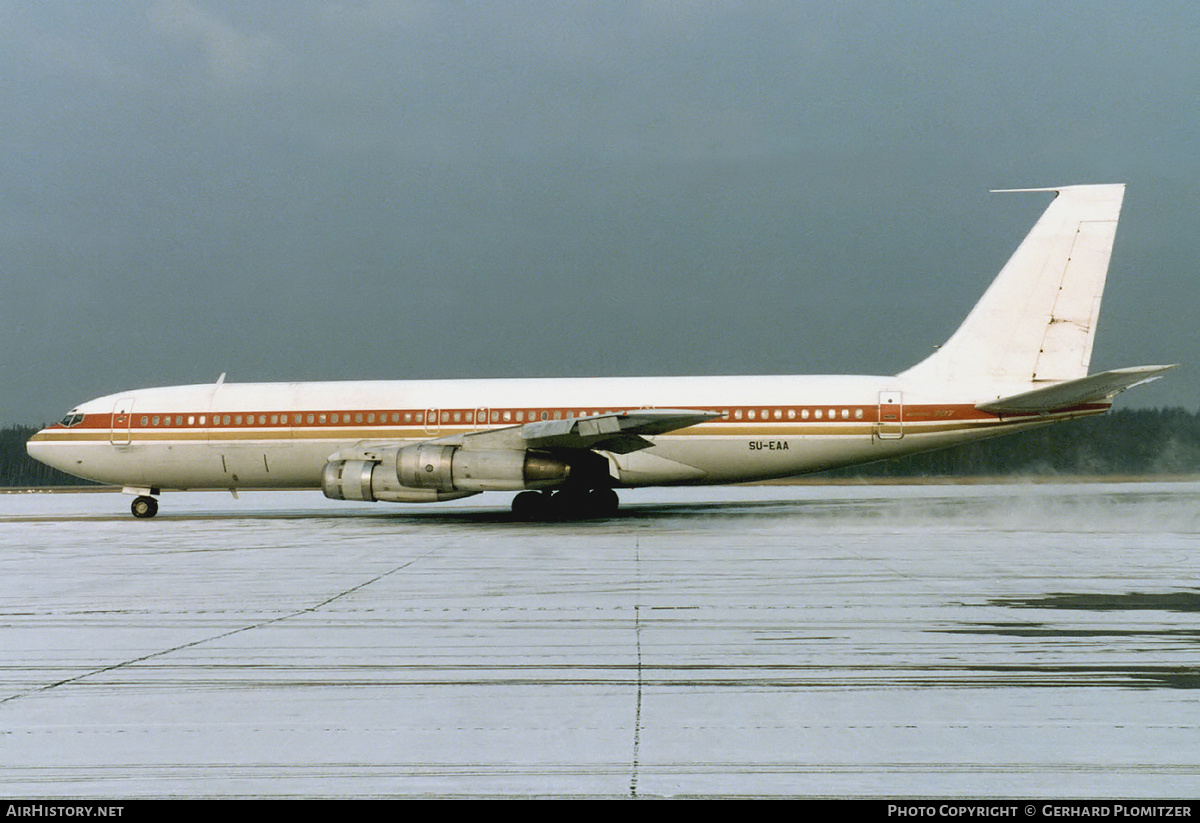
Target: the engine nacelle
(428, 472)
(452, 468)
(370, 481)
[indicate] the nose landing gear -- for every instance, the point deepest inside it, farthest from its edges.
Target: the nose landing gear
(144, 506)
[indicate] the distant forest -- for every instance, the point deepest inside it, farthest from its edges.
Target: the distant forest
(1132, 442)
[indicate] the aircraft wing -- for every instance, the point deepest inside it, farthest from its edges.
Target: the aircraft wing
(1090, 389)
(620, 432)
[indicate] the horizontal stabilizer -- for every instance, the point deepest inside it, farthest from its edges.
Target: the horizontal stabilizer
(1091, 389)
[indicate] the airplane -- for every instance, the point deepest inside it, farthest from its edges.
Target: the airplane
(1019, 360)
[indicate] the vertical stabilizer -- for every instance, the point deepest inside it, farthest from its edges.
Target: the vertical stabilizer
(1036, 322)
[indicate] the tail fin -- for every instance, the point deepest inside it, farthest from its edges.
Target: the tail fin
(1035, 324)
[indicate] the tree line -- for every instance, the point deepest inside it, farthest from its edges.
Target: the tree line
(1136, 442)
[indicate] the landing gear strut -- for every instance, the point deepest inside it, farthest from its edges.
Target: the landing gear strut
(565, 504)
(144, 506)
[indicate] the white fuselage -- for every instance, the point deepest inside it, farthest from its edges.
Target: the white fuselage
(280, 435)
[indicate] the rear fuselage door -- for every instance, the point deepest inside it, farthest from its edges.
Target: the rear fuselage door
(891, 415)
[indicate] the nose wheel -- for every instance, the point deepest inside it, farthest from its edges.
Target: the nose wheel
(144, 506)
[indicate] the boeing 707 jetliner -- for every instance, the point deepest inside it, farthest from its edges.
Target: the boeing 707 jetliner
(1019, 360)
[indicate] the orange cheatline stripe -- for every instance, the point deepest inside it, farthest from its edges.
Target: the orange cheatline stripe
(915, 418)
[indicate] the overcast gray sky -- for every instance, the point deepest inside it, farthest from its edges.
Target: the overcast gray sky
(325, 190)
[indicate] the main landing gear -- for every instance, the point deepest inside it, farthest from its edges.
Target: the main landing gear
(144, 506)
(565, 504)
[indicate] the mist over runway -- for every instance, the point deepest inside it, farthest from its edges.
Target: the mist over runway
(1003, 640)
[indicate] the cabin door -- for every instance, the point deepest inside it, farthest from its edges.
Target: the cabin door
(891, 415)
(122, 419)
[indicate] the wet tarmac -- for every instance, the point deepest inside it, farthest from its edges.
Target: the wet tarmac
(1028, 641)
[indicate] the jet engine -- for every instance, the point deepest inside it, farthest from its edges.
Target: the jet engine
(428, 472)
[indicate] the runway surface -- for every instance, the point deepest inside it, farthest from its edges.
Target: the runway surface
(1007, 640)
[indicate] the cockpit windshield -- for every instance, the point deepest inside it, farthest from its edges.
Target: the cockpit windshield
(73, 418)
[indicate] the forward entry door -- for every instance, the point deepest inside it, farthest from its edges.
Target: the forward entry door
(122, 420)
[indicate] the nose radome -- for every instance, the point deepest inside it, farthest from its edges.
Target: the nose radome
(40, 450)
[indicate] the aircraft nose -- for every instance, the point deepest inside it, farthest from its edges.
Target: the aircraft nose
(40, 450)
